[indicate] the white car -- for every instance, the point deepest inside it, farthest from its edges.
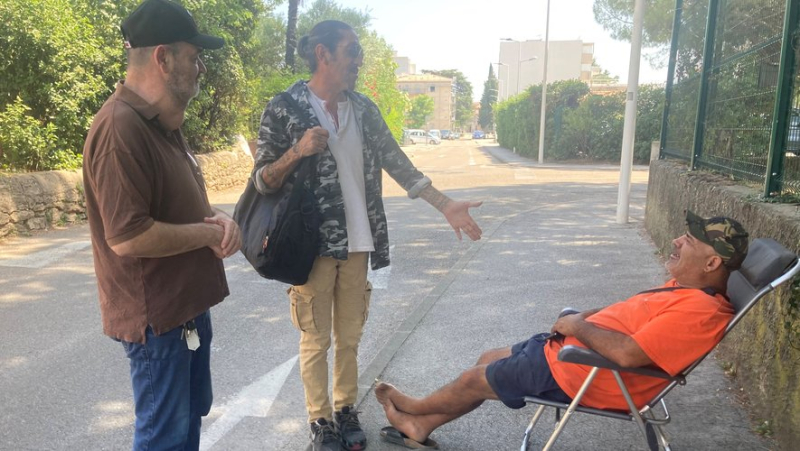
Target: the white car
(422, 137)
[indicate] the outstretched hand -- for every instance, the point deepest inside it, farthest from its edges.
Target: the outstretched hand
(457, 214)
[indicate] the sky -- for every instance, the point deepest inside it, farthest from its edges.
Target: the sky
(465, 34)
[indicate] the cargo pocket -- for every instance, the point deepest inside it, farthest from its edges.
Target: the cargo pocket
(367, 298)
(302, 310)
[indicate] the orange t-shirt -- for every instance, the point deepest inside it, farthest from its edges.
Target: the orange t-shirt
(674, 328)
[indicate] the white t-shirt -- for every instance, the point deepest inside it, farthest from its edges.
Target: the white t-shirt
(346, 146)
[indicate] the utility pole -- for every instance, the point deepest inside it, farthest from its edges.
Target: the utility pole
(629, 131)
(544, 87)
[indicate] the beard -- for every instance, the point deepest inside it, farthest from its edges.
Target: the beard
(182, 88)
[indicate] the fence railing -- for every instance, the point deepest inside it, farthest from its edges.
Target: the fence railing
(733, 101)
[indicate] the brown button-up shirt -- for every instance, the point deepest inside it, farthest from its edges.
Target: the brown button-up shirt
(136, 173)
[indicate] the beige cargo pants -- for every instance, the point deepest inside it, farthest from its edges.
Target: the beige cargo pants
(335, 299)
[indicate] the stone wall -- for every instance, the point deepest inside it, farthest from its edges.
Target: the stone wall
(40, 200)
(226, 170)
(761, 354)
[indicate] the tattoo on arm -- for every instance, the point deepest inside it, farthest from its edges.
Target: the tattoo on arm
(275, 173)
(435, 197)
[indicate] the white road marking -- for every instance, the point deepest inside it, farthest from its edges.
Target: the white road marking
(471, 159)
(254, 400)
(46, 257)
(380, 278)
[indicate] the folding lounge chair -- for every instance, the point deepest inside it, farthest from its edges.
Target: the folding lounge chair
(768, 265)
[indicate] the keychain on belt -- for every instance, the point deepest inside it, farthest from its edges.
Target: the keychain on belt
(191, 335)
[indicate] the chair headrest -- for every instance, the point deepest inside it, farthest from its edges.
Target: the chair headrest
(766, 261)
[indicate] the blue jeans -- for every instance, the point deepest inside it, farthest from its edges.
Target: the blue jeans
(171, 388)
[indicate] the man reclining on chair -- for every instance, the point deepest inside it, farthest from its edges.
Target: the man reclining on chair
(668, 327)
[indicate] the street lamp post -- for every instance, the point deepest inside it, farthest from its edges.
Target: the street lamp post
(498, 79)
(519, 69)
(519, 58)
(519, 62)
(544, 86)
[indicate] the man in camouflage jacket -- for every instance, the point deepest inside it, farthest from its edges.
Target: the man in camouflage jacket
(352, 144)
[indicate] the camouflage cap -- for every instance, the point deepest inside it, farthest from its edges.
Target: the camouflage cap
(725, 235)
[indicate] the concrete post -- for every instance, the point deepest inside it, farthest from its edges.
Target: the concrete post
(629, 131)
(655, 148)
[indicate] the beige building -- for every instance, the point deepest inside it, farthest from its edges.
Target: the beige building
(436, 87)
(522, 63)
(404, 65)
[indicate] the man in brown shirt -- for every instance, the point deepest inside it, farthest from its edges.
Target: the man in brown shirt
(157, 241)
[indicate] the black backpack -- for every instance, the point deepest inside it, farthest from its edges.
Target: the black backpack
(280, 231)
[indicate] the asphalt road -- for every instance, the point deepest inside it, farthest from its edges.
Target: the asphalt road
(65, 386)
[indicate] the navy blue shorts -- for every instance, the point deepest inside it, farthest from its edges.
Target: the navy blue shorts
(524, 373)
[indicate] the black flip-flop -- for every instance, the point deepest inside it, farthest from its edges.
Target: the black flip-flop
(391, 435)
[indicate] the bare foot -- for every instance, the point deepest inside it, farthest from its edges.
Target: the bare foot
(389, 393)
(382, 392)
(406, 423)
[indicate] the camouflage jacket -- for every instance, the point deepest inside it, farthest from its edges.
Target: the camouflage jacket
(281, 127)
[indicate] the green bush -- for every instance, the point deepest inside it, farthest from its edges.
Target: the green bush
(579, 125)
(593, 130)
(49, 82)
(60, 60)
(518, 117)
(648, 120)
(25, 142)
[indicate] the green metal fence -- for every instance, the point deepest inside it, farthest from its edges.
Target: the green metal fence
(731, 103)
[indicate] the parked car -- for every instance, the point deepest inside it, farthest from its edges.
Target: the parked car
(416, 136)
(446, 134)
(436, 133)
(478, 134)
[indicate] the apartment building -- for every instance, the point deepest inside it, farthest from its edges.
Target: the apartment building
(436, 87)
(522, 64)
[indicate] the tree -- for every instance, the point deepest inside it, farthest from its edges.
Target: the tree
(421, 110)
(379, 82)
(291, 34)
(377, 79)
(328, 9)
(51, 83)
(602, 76)
(462, 90)
(215, 117)
(488, 99)
(616, 16)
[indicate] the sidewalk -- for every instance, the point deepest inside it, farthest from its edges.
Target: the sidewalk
(567, 250)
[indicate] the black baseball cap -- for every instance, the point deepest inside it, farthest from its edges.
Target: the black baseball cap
(158, 22)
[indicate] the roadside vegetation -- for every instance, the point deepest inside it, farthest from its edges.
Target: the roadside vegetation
(579, 125)
(63, 58)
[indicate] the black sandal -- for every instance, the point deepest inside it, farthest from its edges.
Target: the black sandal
(391, 435)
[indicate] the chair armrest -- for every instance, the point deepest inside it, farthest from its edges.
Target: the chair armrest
(567, 311)
(584, 356)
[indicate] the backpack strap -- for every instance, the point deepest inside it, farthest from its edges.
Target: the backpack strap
(308, 166)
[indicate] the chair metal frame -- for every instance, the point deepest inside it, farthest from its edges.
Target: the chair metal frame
(767, 266)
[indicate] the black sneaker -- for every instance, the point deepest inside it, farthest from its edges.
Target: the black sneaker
(352, 436)
(324, 436)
